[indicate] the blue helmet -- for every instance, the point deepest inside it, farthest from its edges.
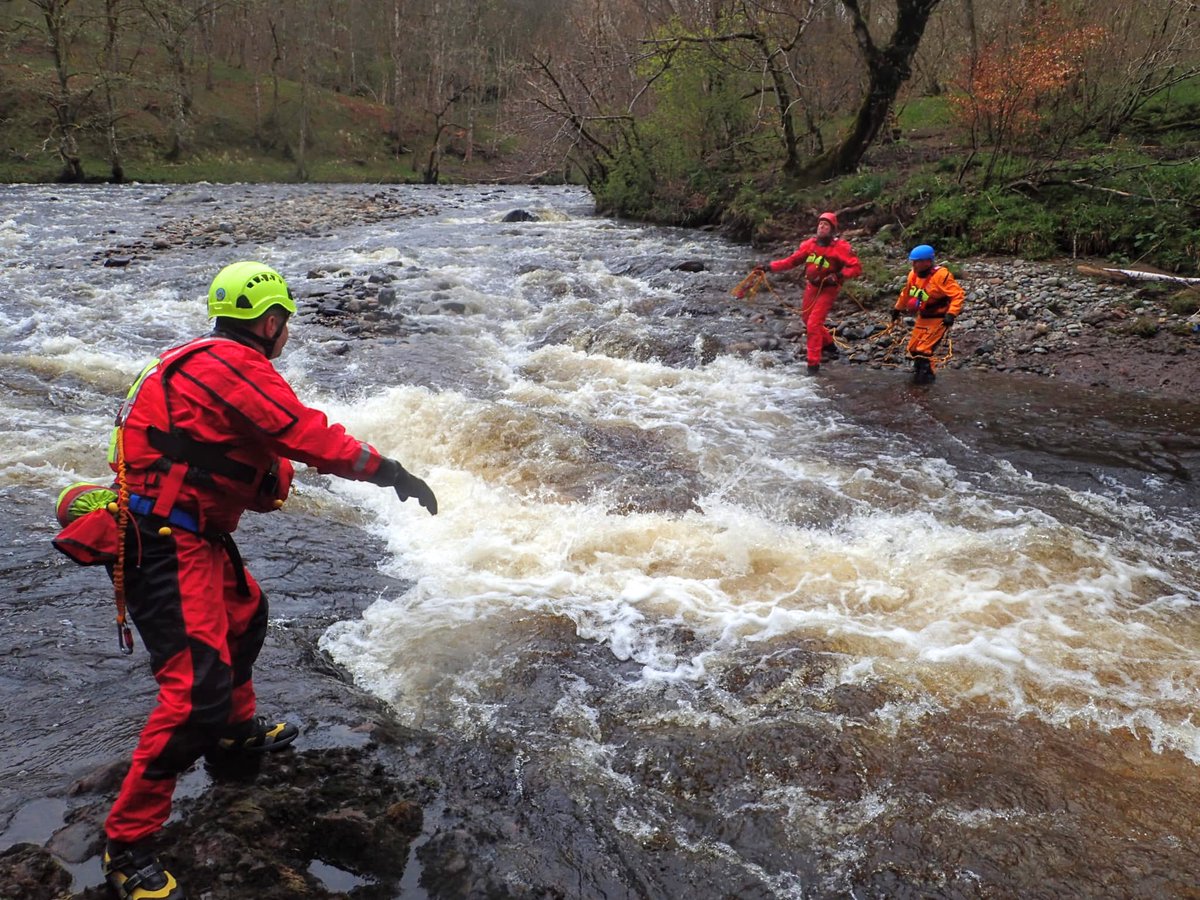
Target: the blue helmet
(921, 251)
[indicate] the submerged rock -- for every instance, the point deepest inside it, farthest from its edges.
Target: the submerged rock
(520, 215)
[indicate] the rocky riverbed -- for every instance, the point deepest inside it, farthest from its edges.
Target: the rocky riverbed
(1040, 318)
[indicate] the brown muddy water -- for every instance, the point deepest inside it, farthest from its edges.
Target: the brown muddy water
(685, 625)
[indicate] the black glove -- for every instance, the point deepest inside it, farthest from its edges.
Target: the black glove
(895, 314)
(948, 318)
(391, 474)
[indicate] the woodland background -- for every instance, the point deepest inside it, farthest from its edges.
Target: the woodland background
(1033, 128)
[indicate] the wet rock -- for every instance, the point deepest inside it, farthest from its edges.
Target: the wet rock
(793, 331)
(32, 872)
(83, 838)
(691, 265)
(520, 215)
(105, 777)
(253, 222)
(337, 806)
(707, 348)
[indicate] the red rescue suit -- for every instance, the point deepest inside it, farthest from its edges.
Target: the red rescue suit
(205, 434)
(825, 268)
(928, 298)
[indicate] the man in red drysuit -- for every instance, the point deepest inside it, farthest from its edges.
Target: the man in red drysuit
(828, 261)
(206, 433)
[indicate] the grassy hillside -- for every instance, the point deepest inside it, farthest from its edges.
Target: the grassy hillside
(239, 130)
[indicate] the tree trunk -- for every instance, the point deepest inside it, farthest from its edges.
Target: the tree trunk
(276, 59)
(783, 101)
(55, 14)
(397, 48)
(111, 74)
(181, 103)
(302, 142)
(887, 69)
(207, 22)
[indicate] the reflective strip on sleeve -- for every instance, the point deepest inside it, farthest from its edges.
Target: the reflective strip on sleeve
(364, 456)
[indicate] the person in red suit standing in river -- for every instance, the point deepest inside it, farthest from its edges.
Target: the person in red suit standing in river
(828, 261)
(207, 432)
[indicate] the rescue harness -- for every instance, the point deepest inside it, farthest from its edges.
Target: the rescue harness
(184, 459)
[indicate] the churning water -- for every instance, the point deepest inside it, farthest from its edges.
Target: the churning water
(816, 631)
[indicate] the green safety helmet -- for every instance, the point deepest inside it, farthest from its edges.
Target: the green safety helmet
(246, 290)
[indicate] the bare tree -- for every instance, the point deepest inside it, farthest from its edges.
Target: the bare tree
(1156, 46)
(396, 52)
(61, 30)
(113, 77)
(888, 67)
(174, 21)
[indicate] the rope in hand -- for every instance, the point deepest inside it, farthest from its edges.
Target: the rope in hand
(939, 361)
(124, 635)
(752, 284)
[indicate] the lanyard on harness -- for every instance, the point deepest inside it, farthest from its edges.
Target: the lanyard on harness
(124, 635)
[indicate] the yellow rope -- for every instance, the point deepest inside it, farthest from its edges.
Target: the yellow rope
(942, 360)
(752, 284)
(890, 352)
(939, 361)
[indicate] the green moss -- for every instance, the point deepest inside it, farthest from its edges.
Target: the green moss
(1143, 326)
(1185, 303)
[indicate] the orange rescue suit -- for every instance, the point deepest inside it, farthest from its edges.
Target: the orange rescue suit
(928, 298)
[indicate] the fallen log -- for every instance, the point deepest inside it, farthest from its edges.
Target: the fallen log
(1127, 276)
